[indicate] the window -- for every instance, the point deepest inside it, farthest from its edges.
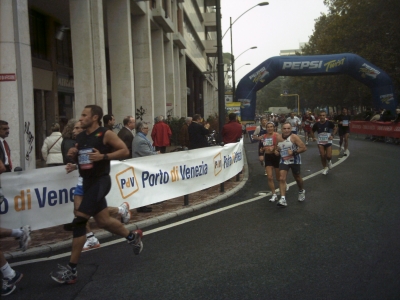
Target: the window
(37, 28)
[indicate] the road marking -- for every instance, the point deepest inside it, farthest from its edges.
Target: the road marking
(262, 195)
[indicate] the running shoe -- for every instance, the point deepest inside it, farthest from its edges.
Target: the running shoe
(25, 238)
(330, 166)
(325, 171)
(302, 196)
(9, 283)
(282, 202)
(91, 243)
(126, 215)
(7, 289)
(273, 198)
(136, 242)
(64, 275)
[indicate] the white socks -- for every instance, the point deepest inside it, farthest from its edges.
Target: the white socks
(7, 271)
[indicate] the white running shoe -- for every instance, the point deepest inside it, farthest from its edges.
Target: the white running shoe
(126, 214)
(282, 202)
(91, 243)
(330, 165)
(302, 196)
(273, 198)
(25, 237)
(325, 171)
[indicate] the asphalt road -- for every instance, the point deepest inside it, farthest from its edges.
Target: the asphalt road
(341, 243)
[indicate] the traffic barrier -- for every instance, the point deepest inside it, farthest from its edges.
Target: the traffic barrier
(387, 129)
(44, 197)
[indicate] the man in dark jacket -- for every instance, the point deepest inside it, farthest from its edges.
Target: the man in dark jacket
(198, 132)
(126, 134)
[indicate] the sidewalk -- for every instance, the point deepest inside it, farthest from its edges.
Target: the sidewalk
(47, 240)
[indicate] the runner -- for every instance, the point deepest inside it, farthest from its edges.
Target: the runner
(258, 133)
(289, 148)
(326, 131)
(269, 142)
(93, 155)
(294, 121)
(343, 122)
(308, 123)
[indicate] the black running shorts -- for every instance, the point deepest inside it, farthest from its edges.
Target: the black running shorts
(272, 160)
(295, 168)
(94, 195)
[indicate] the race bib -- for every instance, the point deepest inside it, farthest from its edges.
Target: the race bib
(268, 142)
(83, 158)
(285, 154)
(345, 123)
(323, 137)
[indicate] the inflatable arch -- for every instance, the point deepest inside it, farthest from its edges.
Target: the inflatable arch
(346, 63)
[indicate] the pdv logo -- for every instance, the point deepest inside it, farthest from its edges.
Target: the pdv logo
(217, 164)
(127, 182)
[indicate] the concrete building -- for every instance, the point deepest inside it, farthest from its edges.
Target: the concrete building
(131, 57)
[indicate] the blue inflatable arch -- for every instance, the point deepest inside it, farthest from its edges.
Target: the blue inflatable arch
(376, 79)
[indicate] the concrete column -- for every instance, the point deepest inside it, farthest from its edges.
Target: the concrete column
(170, 75)
(16, 96)
(157, 41)
(87, 35)
(121, 58)
(143, 68)
(177, 85)
(183, 85)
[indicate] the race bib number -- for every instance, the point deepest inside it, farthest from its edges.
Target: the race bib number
(345, 123)
(323, 137)
(83, 158)
(285, 154)
(268, 142)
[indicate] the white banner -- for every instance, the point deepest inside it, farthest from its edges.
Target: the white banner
(44, 197)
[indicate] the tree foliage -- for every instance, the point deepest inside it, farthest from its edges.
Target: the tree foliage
(368, 28)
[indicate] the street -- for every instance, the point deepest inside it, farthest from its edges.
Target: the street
(341, 243)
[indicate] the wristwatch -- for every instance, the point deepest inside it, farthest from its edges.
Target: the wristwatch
(105, 157)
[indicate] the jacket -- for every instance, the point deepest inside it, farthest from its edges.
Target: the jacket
(55, 155)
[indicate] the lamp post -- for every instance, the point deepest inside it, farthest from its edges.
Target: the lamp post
(248, 64)
(298, 100)
(230, 29)
(233, 65)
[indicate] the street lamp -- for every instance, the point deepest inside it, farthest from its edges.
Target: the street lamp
(230, 29)
(298, 100)
(248, 64)
(233, 59)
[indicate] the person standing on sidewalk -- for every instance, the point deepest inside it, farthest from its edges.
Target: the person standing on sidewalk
(343, 123)
(93, 153)
(326, 131)
(51, 149)
(161, 135)
(126, 134)
(231, 131)
(289, 148)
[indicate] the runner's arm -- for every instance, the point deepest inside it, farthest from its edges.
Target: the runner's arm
(300, 144)
(119, 147)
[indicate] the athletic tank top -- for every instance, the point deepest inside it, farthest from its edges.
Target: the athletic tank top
(285, 157)
(86, 143)
(324, 132)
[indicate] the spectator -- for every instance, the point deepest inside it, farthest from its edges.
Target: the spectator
(126, 134)
(232, 131)
(68, 140)
(184, 134)
(141, 146)
(109, 121)
(161, 135)
(198, 133)
(5, 153)
(51, 149)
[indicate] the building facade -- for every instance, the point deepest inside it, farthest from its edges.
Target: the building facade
(140, 58)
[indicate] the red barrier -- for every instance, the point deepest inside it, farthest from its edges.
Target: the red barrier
(388, 129)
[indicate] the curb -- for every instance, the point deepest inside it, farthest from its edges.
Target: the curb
(103, 234)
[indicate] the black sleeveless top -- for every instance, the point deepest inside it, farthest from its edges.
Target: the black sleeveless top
(86, 142)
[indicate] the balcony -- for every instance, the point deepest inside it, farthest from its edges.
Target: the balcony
(210, 47)
(210, 21)
(179, 40)
(138, 8)
(162, 18)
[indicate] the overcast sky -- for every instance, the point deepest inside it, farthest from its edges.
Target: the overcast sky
(281, 25)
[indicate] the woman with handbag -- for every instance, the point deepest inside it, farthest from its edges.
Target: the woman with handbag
(51, 149)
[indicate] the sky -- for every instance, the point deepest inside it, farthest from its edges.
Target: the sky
(281, 25)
